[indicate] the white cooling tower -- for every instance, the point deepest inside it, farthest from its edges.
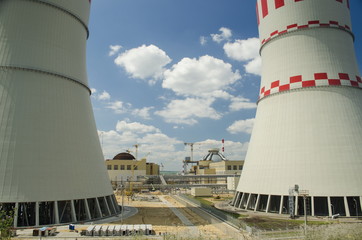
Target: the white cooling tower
(308, 125)
(51, 163)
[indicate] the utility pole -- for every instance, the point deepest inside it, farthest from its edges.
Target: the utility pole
(304, 194)
(122, 191)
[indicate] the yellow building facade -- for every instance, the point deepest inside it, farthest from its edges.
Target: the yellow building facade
(216, 163)
(124, 167)
(219, 168)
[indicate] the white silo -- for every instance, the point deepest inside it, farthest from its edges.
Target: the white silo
(51, 163)
(308, 125)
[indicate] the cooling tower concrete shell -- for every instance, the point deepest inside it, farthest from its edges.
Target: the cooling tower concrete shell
(51, 162)
(308, 125)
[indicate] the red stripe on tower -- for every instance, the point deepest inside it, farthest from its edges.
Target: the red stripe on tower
(284, 87)
(264, 8)
(310, 83)
(279, 3)
(295, 79)
(275, 84)
(319, 76)
(344, 76)
(313, 22)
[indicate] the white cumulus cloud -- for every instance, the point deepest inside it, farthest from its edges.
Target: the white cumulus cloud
(241, 126)
(160, 148)
(143, 112)
(203, 40)
(160, 138)
(114, 49)
(113, 142)
(254, 66)
(238, 103)
(144, 62)
(118, 107)
(233, 150)
(225, 35)
(104, 96)
(187, 111)
(100, 96)
(245, 51)
(135, 127)
(200, 77)
(156, 146)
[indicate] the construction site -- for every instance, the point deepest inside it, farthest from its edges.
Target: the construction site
(214, 170)
(198, 203)
(300, 179)
(155, 215)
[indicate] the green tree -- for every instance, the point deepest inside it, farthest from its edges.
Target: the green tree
(6, 223)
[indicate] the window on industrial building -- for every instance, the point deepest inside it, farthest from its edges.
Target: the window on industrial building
(235, 167)
(109, 167)
(229, 167)
(128, 167)
(240, 167)
(135, 167)
(115, 167)
(122, 167)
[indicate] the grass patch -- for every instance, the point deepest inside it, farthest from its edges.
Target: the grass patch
(262, 223)
(265, 223)
(211, 204)
(221, 198)
(284, 234)
(312, 223)
(269, 223)
(233, 214)
(204, 201)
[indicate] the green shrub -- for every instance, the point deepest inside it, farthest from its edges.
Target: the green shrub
(6, 223)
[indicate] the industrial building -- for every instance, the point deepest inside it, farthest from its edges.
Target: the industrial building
(214, 171)
(125, 167)
(51, 163)
(304, 151)
(216, 167)
(215, 163)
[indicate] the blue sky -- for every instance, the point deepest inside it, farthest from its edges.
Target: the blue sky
(166, 72)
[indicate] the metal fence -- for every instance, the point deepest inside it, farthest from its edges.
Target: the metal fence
(222, 215)
(228, 218)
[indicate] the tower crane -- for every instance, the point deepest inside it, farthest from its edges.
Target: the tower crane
(136, 146)
(192, 149)
(192, 156)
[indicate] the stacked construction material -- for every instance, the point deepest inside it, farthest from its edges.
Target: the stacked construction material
(119, 230)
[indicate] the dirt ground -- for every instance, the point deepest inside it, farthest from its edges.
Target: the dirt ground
(164, 221)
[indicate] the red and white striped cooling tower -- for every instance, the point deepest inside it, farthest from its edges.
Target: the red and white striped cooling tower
(52, 169)
(308, 125)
